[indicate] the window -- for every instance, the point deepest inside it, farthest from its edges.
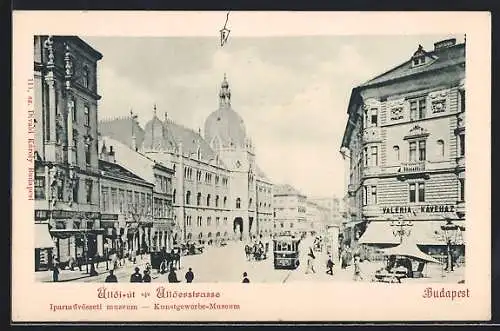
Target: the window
(39, 187)
(88, 186)
(85, 77)
(74, 189)
(238, 203)
(421, 150)
(421, 192)
(374, 156)
(198, 199)
(440, 148)
(225, 202)
(75, 146)
(417, 109)
(417, 192)
(173, 195)
(365, 195)
(396, 152)
(250, 203)
(374, 195)
(462, 189)
(73, 109)
(148, 204)
(209, 221)
(188, 197)
(462, 143)
(365, 156)
(198, 221)
(217, 221)
(174, 169)
(208, 200)
(373, 117)
(217, 201)
(86, 112)
(105, 199)
(413, 151)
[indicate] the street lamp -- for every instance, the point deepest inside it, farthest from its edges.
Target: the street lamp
(451, 231)
(401, 228)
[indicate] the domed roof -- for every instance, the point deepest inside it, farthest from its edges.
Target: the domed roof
(155, 135)
(225, 127)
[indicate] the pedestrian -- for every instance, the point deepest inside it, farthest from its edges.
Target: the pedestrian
(172, 276)
(55, 270)
(163, 267)
(357, 269)
(189, 276)
(245, 278)
(147, 277)
(111, 278)
(136, 276)
(310, 261)
(329, 265)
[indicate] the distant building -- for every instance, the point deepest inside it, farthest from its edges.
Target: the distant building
(66, 163)
(332, 205)
(289, 210)
(216, 181)
(405, 139)
(318, 217)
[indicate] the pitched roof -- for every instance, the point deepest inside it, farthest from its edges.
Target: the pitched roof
(118, 171)
(121, 129)
(444, 57)
(286, 189)
(190, 140)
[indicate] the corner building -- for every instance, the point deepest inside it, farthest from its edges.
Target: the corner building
(406, 143)
(216, 181)
(66, 162)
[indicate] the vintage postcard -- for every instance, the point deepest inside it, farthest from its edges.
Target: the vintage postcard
(251, 166)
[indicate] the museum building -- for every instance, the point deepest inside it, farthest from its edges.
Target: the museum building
(405, 141)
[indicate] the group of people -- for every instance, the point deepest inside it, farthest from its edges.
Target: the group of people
(256, 250)
(311, 257)
(145, 277)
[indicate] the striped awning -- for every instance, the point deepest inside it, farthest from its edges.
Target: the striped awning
(43, 239)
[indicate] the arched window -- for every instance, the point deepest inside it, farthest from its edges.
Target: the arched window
(238, 203)
(188, 197)
(396, 152)
(216, 201)
(198, 199)
(225, 202)
(250, 203)
(173, 195)
(440, 148)
(208, 200)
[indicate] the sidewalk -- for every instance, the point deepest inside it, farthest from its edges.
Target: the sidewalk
(68, 275)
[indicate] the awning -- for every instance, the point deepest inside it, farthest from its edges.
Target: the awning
(422, 233)
(410, 249)
(43, 239)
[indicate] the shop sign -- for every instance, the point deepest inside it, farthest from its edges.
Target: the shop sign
(110, 217)
(422, 209)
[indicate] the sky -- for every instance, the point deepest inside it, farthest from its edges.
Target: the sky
(292, 92)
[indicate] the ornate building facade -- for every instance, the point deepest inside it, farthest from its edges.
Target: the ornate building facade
(405, 141)
(215, 182)
(290, 210)
(66, 158)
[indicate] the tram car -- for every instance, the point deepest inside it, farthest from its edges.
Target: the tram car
(286, 252)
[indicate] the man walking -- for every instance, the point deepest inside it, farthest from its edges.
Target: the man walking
(329, 265)
(310, 261)
(245, 278)
(357, 269)
(189, 276)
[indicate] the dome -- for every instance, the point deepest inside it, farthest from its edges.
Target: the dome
(225, 128)
(155, 134)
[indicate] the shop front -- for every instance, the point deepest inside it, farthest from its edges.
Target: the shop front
(44, 247)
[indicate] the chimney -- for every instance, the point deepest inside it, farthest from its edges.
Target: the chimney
(445, 43)
(111, 155)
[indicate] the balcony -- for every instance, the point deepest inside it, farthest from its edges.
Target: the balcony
(371, 171)
(371, 211)
(372, 134)
(351, 189)
(461, 120)
(461, 162)
(413, 170)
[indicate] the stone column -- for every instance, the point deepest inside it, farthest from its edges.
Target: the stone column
(70, 131)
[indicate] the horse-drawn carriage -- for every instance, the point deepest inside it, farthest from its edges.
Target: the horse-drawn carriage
(256, 251)
(163, 261)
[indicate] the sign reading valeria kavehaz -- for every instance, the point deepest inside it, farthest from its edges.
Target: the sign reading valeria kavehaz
(421, 209)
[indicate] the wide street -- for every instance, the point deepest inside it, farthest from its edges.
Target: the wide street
(227, 264)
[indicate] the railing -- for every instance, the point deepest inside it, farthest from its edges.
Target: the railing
(409, 167)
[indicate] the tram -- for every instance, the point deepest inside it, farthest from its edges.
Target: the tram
(286, 252)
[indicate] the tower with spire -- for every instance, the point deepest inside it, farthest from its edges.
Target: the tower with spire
(225, 94)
